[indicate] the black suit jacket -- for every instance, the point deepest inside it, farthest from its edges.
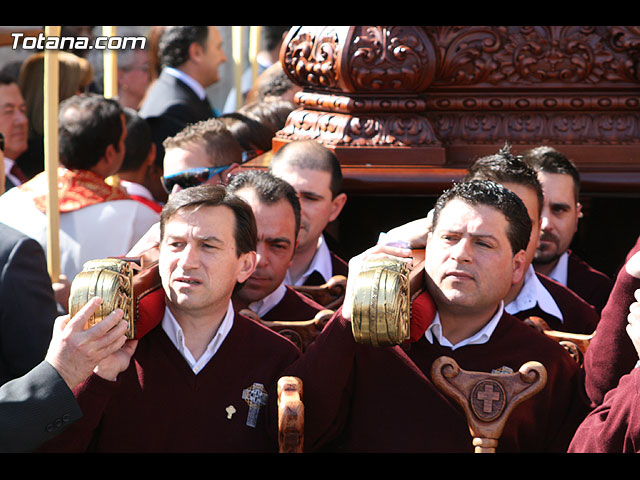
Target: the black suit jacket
(170, 105)
(35, 408)
(27, 305)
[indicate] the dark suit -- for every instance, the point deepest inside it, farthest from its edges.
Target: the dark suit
(34, 409)
(171, 105)
(27, 306)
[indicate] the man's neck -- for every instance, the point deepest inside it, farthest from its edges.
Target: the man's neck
(458, 324)
(301, 260)
(198, 328)
(545, 268)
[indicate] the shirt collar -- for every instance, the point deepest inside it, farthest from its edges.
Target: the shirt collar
(560, 272)
(189, 80)
(133, 188)
(478, 338)
(262, 307)
(531, 294)
(8, 165)
(174, 331)
(321, 263)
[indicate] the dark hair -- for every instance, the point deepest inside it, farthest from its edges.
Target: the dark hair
(245, 231)
(504, 167)
(88, 124)
(313, 156)
(248, 132)
(549, 160)
(270, 189)
(173, 49)
(214, 136)
(274, 82)
(486, 192)
(138, 142)
(272, 35)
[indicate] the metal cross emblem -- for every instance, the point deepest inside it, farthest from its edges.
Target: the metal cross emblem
(256, 396)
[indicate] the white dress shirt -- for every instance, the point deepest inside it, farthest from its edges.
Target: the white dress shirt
(478, 338)
(532, 293)
(560, 272)
(136, 189)
(321, 263)
(174, 332)
(264, 306)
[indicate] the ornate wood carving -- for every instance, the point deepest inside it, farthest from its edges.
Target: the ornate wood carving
(438, 96)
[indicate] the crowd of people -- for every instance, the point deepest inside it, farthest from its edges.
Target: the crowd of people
(160, 173)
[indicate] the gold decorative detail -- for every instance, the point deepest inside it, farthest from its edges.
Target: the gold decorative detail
(381, 307)
(112, 281)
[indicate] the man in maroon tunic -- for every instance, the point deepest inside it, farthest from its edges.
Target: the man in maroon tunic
(534, 295)
(203, 380)
(614, 426)
(561, 213)
(277, 210)
(381, 399)
(314, 172)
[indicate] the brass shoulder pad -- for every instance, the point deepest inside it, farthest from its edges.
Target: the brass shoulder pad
(110, 279)
(381, 305)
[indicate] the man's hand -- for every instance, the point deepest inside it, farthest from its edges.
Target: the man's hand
(633, 265)
(414, 233)
(75, 351)
(633, 327)
(378, 251)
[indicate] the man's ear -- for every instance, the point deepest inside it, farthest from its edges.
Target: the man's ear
(248, 263)
(337, 204)
(519, 267)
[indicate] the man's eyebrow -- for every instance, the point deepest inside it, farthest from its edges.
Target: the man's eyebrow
(278, 240)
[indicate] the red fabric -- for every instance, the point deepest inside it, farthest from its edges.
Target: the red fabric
(76, 189)
(423, 311)
(156, 207)
(150, 310)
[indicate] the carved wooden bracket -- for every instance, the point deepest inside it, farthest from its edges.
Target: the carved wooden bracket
(488, 398)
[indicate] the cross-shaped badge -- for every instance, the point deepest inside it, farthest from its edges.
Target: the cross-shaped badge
(256, 396)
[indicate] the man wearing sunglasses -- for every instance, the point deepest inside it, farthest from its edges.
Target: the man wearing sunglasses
(202, 153)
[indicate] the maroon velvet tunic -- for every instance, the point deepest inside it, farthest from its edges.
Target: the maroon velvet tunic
(613, 426)
(159, 405)
(611, 354)
(590, 284)
(294, 307)
(360, 398)
(578, 315)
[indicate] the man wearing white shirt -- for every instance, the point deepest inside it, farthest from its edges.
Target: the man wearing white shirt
(190, 56)
(203, 380)
(97, 220)
(314, 172)
(14, 127)
(474, 254)
(561, 213)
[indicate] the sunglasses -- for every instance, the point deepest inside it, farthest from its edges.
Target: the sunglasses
(191, 177)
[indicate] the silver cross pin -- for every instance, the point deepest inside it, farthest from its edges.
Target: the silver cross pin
(256, 396)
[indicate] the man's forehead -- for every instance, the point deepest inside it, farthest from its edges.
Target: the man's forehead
(10, 95)
(308, 178)
(481, 219)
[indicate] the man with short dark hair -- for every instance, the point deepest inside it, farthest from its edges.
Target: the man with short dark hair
(314, 172)
(140, 175)
(202, 380)
(363, 398)
(97, 220)
(190, 57)
(277, 211)
(561, 212)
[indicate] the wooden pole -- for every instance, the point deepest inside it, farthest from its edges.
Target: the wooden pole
(237, 45)
(254, 48)
(51, 153)
(110, 62)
